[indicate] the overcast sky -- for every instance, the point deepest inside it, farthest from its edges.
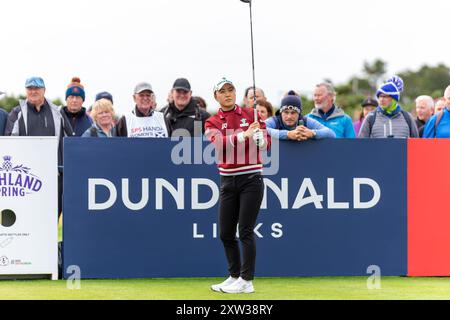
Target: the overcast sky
(112, 45)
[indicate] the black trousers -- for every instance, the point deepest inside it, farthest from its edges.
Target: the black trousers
(240, 201)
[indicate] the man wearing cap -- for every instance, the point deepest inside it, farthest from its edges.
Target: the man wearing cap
(389, 120)
(183, 115)
(3, 118)
(74, 111)
(330, 115)
(368, 106)
(38, 116)
(238, 138)
(143, 121)
(289, 124)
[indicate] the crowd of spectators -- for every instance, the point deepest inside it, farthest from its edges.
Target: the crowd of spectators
(382, 115)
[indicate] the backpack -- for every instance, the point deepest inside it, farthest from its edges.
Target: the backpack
(373, 115)
(94, 133)
(438, 119)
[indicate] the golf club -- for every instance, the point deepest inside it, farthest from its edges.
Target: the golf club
(253, 59)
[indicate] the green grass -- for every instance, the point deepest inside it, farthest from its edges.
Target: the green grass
(347, 288)
(307, 288)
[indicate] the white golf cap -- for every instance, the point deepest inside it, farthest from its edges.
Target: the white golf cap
(221, 83)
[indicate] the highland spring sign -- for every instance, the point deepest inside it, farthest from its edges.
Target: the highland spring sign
(28, 207)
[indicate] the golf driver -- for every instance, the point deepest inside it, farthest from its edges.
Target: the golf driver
(253, 60)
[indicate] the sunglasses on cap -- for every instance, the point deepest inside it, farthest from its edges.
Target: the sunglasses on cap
(296, 109)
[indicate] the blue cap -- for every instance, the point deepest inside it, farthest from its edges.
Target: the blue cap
(36, 82)
(104, 95)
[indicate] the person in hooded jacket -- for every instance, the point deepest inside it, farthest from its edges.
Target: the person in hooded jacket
(327, 113)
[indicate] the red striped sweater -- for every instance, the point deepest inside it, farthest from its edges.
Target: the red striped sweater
(235, 158)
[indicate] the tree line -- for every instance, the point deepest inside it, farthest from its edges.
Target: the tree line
(429, 80)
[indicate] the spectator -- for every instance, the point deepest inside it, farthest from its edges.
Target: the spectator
(169, 97)
(98, 96)
(244, 100)
(74, 111)
(330, 115)
(249, 98)
(424, 111)
(143, 121)
(3, 118)
(104, 95)
(42, 116)
(289, 124)
(38, 116)
(368, 106)
(264, 108)
(439, 125)
(389, 120)
(201, 103)
(103, 115)
(154, 103)
(440, 105)
(184, 113)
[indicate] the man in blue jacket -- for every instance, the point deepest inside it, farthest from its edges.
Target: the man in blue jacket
(439, 125)
(3, 118)
(330, 115)
(289, 124)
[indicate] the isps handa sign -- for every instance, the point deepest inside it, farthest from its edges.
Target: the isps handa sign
(17, 180)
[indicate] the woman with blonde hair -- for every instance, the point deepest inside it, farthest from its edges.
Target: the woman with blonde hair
(103, 115)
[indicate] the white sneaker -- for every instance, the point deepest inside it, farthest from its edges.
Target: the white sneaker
(239, 286)
(227, 282)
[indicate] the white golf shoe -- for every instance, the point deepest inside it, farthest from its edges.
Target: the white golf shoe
(227, 282)
(239, 286)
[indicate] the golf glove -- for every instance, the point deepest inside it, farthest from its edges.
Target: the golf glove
(258, 138)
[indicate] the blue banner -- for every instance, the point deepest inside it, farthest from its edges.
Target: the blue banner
(140, 208)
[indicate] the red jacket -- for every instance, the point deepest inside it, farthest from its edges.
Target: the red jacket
(235, 158)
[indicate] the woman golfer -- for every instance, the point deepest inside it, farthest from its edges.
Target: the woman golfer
(238, 140)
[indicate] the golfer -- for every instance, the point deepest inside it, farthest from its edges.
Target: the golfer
(238, 140)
